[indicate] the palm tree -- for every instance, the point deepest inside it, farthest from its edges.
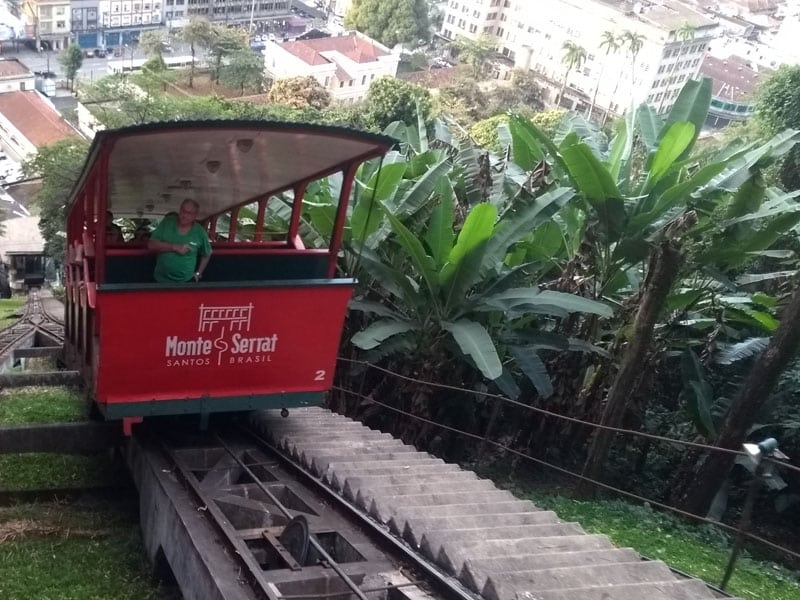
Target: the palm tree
(634, 42)
(574, 56)
(620, 42)
(611, 44)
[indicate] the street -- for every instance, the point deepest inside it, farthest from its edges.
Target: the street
(92, 68)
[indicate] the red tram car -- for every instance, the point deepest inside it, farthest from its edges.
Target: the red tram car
(261, 328)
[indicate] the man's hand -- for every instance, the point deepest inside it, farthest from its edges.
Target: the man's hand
(180, 248)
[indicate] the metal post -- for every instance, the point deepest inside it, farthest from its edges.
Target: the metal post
(744, 524)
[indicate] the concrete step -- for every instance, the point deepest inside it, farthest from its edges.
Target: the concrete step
(451, 559)
(415, 528)
(338, 472)
(400, 519)
(365, 496)
(510, 585)
(366, 487)
(391, 469)
(320, 464)
(689, 589)
(475, 572)
(433, 542)
(384, 508)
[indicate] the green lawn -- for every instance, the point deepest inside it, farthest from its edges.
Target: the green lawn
(701, 551)
(66, 552)
(9, 306)
(86, 550)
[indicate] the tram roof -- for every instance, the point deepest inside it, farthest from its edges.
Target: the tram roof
(221, 164)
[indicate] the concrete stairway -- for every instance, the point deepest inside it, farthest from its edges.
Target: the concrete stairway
(498, 546)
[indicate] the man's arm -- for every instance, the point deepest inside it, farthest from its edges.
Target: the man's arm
(202, 266)
(159, 246)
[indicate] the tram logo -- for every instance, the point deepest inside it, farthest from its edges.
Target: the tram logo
(233, 343)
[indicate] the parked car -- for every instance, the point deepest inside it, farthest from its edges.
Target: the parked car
(99, 52)
(88, 53)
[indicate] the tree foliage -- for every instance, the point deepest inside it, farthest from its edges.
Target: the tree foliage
(59, 166)
(476, 53)
(224, 42)
(72, 60)
(299, 92)
(390, 22)
(390, 99)
(198, 33)
(778, 108)
(245, 71)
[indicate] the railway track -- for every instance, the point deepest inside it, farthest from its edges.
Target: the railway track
(316, 506)
(35, 321)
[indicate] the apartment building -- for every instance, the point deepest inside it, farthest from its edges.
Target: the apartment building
(48, 21)
(673, 37)
(345, 65)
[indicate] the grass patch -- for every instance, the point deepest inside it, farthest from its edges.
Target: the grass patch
(8, 308)
(41, 405)
(52, 471)
(701, 551)
(70, 553)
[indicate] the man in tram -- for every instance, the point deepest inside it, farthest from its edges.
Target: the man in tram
(180, 241)
(113, 231)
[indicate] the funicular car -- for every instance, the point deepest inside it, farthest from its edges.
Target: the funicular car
(261, 328)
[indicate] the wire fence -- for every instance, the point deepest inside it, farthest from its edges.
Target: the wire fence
(739, 531)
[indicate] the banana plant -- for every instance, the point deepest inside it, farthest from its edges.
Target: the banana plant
(453, 294)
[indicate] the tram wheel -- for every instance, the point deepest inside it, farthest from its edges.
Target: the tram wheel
(295, 538)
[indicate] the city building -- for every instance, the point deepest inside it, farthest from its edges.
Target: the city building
(345, 65)
(673, 39)
(178, 12)
(48, 21)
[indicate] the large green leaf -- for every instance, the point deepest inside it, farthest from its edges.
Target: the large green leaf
(650, 124)
(617, 149)
(739, 168)
(422, 189)
(395, 282)
(692, 107)
(439, 235)
(534, 298)
(673, 145)
(518, 224)
(591, 176)
(477, 229)
(424, 264)
(523, 124)
(377, 332)
(368, 213)
(475, 342)
(525, 149)
(698, 393)
(370, 307)
(773, 208)
(676, 195)
(533, 368)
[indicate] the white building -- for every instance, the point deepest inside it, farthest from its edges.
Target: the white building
(534, 40)
(345, 65)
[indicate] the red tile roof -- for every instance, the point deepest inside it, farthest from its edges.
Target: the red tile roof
(353, 46)
(34, 117)
(11, 67)
(733, 78)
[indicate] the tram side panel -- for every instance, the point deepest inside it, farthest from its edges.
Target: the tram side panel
(198, 349)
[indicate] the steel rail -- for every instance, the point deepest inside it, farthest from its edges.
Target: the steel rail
(328, 559)
(240, 548)
(443, 583)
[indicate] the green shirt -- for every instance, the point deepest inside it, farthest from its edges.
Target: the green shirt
(174, 267)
